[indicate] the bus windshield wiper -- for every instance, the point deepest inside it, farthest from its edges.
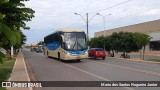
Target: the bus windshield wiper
(73, 45)
(80, 46)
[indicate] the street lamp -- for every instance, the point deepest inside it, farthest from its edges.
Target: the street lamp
(104, 21)
(86, 20)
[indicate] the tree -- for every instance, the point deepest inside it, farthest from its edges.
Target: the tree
(102, 42)
(40, 43)
(125, 42)
(141, 41)
(107, 43)
(22, 41)
(16, 14)
(5, 33)
(93, 42)
(97, 42)
(13, 15)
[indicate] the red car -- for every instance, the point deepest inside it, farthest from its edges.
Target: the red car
(97, 53)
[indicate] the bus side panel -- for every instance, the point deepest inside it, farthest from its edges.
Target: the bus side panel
(66, 55)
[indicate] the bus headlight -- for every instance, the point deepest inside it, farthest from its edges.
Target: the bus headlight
(69, 54)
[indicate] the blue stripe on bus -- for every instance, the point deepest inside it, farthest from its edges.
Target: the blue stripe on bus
(77, 52)
(53, 45)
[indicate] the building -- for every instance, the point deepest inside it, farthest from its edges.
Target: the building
(151, 28)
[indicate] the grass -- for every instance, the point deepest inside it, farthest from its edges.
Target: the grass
(6, 69)
(2, 88)
(155, 60)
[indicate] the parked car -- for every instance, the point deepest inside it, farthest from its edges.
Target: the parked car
(97, 53)
(38, 50)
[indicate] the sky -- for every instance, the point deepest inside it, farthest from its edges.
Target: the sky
(51, 15)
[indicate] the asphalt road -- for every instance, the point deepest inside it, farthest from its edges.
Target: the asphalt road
(49, 69)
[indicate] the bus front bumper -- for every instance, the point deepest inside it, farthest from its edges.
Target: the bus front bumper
(75, 57)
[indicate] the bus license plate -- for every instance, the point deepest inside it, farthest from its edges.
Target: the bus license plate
(78, 57)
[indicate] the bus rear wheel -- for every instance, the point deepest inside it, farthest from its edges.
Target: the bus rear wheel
(59, 57)
(78, 60)
(47, 54)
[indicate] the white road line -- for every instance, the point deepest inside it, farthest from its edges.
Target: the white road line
(93, 74)
(30, 88)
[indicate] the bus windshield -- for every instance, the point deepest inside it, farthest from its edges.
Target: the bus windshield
(75, 41)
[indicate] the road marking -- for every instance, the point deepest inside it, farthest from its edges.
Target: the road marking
(30, 88)
(133, 69)
(93, 74)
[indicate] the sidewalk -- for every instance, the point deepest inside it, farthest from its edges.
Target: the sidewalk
(19, 72)
(151, 53)
(132, 59)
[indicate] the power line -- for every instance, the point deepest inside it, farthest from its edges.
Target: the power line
(128, 15)
(105, 9)
(111, 6)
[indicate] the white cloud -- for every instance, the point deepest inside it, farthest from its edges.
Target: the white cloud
(54, 14)
(152, 12)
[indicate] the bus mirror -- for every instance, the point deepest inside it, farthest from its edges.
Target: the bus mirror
(62, 38)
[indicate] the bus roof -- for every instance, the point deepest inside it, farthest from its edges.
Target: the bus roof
(67, 30)
(71, 30)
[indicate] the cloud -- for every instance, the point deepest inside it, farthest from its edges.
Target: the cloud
(151, 12)
(55, 14)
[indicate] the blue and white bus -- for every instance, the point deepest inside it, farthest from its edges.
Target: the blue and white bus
(66, 44)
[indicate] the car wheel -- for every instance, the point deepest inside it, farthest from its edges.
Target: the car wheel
(103, 58)
(95, 57)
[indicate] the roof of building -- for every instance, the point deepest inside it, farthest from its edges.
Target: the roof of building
(147, 27)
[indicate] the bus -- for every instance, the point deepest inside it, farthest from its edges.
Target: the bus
(66, 44)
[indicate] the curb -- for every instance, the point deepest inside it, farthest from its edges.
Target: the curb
(145, 54)
(19, 67)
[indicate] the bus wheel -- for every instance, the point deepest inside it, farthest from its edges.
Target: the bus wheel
(78, 60)
(47, 54)
(59, 57)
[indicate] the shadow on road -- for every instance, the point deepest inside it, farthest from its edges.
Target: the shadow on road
(66, 61)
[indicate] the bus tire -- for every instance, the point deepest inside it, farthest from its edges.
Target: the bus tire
(47, 54)
(78, 60)
(59, 57)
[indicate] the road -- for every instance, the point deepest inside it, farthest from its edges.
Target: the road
(49, 69)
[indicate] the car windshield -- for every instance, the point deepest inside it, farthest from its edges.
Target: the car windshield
(75, 41)
(99, 49)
